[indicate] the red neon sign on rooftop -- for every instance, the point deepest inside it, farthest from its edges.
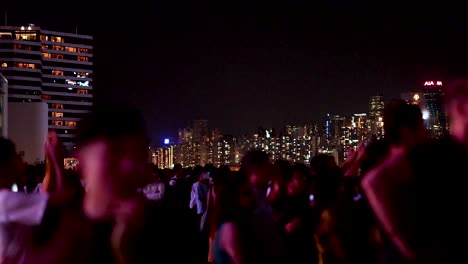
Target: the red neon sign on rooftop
(432, 83)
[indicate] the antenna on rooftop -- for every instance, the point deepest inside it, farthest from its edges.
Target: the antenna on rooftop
(76, 29)
(6, 18)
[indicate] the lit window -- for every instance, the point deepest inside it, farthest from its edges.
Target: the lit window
(6, 35)
(82, 91)
(57, 106)
(85, 83)
(57, 72)
(25, 65)
(71, 82)
(57, 114)
(57, 56)
(81, 58)
(46, 97)
(57, 122)
(55, 47)
(26, 36)
(44, 47)
(44, 38)
(70, 123)
(4, 65)
(81, 74)
(56, 39)
(46, 55)
(82, 50)
(70, 49)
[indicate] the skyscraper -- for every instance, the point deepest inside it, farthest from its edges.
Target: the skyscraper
(52, 67)
(375, 117)
(433, 108)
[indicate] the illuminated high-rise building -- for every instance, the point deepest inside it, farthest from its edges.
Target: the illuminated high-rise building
(375, 117)
(52, 67)
(433, 108)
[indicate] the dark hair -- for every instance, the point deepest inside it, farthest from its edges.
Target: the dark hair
(283, 169)
(322, 163)
(221, 175)
(111, 121)
(227, 202)
(327, 179)
(456, 90)
(399, 114)
(177, 167)
(254, 158)
(7, 151)
(375, 153)
(302, 169)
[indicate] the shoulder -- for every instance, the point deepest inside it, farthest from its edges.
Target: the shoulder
(395, 164)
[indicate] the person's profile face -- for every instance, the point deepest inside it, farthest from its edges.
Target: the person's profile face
(247, 197)
(260, 175)
(132, 162)
(96, 170)
(297, 184)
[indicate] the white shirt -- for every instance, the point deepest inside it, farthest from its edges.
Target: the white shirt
(18, 213)
(154, 191)
(198, 197)
(24, 208)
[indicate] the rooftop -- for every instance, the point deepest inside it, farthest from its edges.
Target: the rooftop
(32, 27)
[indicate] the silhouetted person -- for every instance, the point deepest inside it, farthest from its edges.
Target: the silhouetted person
(113, 154)
(438, 164)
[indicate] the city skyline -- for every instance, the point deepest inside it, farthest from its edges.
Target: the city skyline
(241, 65)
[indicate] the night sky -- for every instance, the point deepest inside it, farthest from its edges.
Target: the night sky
(244, 65)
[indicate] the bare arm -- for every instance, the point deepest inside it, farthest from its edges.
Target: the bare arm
(230, 242)
(382, 187)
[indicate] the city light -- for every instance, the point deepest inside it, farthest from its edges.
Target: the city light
(431, 83)
(425, 114)
(166, 141)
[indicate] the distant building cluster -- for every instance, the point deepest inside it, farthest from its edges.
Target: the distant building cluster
(46, 81)
(334, 135)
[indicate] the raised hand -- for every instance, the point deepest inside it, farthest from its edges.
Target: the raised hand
(54, 164)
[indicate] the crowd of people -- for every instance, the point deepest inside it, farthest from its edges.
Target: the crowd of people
(117, 208)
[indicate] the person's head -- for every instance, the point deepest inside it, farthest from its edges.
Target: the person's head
(257, 165)
(326, 176)
(456, 101)
(280, 173)
(300, 180)
(204, 177)
(375, 153)
(322, 163)
(11, 164)
(154, 176)
(179, 171)
(113, 154)
(403, 123)
(236, 198)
